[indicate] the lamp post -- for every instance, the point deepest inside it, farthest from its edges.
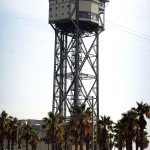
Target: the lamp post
(17, 135)
(92, 127)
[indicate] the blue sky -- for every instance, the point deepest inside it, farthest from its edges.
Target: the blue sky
(26, 58)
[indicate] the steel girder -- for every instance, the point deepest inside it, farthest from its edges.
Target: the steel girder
(65, 72)
(76, 65)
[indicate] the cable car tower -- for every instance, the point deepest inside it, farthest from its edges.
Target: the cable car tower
(77, 25)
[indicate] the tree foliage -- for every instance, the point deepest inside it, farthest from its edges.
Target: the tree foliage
(79, 130)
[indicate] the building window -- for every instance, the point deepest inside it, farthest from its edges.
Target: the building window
(36, 126)
(88, 15)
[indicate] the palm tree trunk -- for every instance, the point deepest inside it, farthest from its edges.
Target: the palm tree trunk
(110, 142)
(32, 147)
(2, 140)
(87, 145)
(59, 146)
(104, 144)
(27, 141)
(19, 146)
(66, 145)
(130, 143)
(12, 144)
(99, 139)
(76, 142)
(141, 138)
(53, 144)
(142, 126)
(8, 143)
(136, 143)
(81, 138)
(35, 147)
(119, 140)
(1, 145)
(48, 145)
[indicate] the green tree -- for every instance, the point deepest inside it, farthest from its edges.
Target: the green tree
(104, 126)
(20, 133)
(14, 128)
(3, 126)
(129, 128)
(80, 123)
(8, 133)
(119, 137)
(89, 134)
(55, 130)
(27, 134)
(34, 139)
(145, 141)
(143, 111)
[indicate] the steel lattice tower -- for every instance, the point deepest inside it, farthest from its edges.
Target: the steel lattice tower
(77, 25)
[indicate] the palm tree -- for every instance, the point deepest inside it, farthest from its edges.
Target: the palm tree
(130, 124)
(119, 137)
(20, 133)
(34, 139)
(14, 128)
(66, 135)
(47, 141)
(8, 133)
(126, 130)
(73, 131)
(80, 124)
(111, 140)
(3, 124)
(55, 132)
(145, 140)
(27, 134)
(89, 134)
(104, 126)
(142, 110)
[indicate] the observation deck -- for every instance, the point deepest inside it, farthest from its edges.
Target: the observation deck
(62, 13)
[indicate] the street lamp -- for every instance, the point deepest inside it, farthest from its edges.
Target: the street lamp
(17, 135)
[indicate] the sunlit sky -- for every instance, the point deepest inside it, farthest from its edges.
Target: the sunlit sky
(26, 58)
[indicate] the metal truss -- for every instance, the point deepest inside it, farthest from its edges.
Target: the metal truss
(76, 65)
(65, 69)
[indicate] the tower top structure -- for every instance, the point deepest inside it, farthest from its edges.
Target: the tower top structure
(63, 14)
